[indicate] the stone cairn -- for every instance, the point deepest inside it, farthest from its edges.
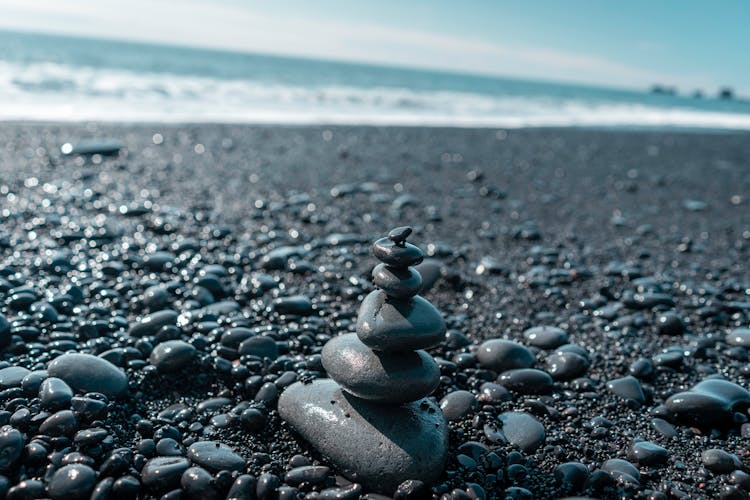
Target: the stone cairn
(371, 418)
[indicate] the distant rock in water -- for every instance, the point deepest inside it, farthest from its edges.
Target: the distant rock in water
(103, 146)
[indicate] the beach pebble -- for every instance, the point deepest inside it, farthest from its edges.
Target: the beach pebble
(55, 394)
(12, 376)
(501, 355)
(739, 337)
(719, 461)
(619, 468)
(395, 254)
(11, 446)
(571, 475)
(392, 377)
(545, 337)
(670, 324)
(403, 442)
(628, 388)
(400, 283)
(198, 483)
(215, 456)
(458, 404)
(526, 381)
(172, 355)
(709, 403)
(648, 453)
(61, 423)
(261, 346)
(564, 365)
(72, 482)
(522, 430)
(152, 323)
(87, 373)
(297, 305)
(431, 270)
(397, 325)
(164, 473)
(310, 474)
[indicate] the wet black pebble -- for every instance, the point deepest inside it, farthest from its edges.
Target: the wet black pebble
(310, 474)
(648, 453)
(215, 456)
(297, 305)
(526, 381)
(670, 324)
(164, 473)
(261, 346)
(719, 461)
(152, 323)
(55, 394)
(198, 483)
(11, 446)
(458, 404)
(501, 355)
(546, 337)
(72, 482)
(84, 372)
(739, 337)
(172, 355)
(628, 388)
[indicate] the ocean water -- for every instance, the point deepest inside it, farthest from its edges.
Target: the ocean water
(72, 79)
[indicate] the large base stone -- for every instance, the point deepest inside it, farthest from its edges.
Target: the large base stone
(377, 445)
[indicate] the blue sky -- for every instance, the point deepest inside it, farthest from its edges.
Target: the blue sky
(633, 44)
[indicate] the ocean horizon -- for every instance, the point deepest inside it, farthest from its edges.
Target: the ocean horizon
(62, 78)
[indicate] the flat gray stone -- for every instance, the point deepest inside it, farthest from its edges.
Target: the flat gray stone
(397, 254)
(87, 373)
(401, 283)
(502, 355)
(522, 430)
(397, 325)
(377, 445)
(172, 355)
(628, 388)
(215, 456)
(390, 377)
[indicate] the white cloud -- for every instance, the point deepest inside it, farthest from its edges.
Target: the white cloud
(236, 27)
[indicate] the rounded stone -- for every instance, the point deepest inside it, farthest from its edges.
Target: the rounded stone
(397, 325)
(566, 365)
(670, 324)
(261, 346)
(526, 381)
(12, 376)
(72, 482)
(87, 373)
(379, 446)
(648, 453)
(389, 377)
(152, 323)
(739, 337)
(397, 282)
(628, 388)
(172, 355)
(215, 456)
(719, 461)
(710, 403)
(55, 394)
(546, 337)
(164, 473)
(395, 254)
(458, 404)
(502, 355)
(11, 446)
(522, 430)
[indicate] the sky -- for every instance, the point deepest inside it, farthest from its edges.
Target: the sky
(634, 44)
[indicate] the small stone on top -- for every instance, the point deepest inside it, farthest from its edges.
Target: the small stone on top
(399, 235)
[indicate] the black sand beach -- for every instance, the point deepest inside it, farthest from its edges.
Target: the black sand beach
(579, 225)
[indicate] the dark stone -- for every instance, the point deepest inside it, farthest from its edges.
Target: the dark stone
(566, 365)
(72, 482)
(396, 325)
(397, 282)
(310, 474)
(61, 423)
(87, 373)
(628, 388)
(431, 270)
(502, 355)
(103, 146)
(739, 337)
(622, 470)
(11, 446)
(391, 377)
(297, 305)
(546, 337)
(670, 324)
(648, 453)
(215, 456)
(522, 430)
(397, 255)
(709, 403)
(151, 323)
(12, 376)
(458, 404)
(719, 461)
(401, 442)
(55, 394)
(198, 483)
(526, 381)
(172, 355)
(164, 473)
(261, 346)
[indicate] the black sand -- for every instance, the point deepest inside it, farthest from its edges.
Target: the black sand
(607, 206)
